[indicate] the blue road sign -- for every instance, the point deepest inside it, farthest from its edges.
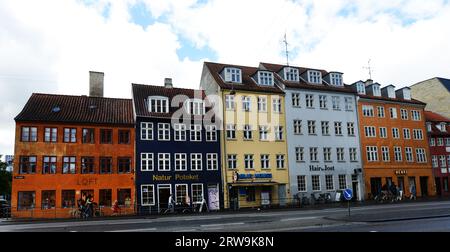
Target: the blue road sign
(348, 194)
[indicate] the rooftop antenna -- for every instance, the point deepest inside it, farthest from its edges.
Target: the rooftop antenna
(368, 67)
(287, 52)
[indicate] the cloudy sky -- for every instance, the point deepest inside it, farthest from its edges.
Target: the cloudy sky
(50, 45)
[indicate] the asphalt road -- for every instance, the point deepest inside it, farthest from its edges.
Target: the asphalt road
(402, 217)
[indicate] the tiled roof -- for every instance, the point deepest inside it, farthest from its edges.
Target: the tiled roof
(381, 98)
(435, 117)
(305, 85)
(248, 84)
(142, 92)
(77, 109)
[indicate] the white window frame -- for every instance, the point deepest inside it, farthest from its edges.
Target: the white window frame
(404, 114)
(297, 127)
(265, 161)
(276, 105)
(233, 74)
(148, 128)
(314, 77)
(192, 193)
(281, 161)
(393, 113)
(338, 129)
(385, 155)
(336, 79)
(152, 203)
(398, 154)
(329, 182)
(372, 153)
(231, 131)
(165, 127)
(212, 162)
(396, 133)
(311, 127)
(325, 125)
(196, 133)
(327, 154)
(148, 158)
(421, 155)
(233, 159)
(353, 153)
(415, 115)
(179, 132)
(184, 196)
(249, 162)
(246, 103)
(348, 103)
(262, 104)
(291, 74)
(340, 153)
(196, 162)
(265, 78)
(263, 133)
(350, 128)
(181, 161)
(309, 99)
(342, 181)
(247, 132)
(313, 154)
(383, 132)
(406, 133)
(380, 112)
(279, 133)
(296, 100)
(409, 154)
(336, 101)
(370, 131)
(301, 180)
(164, 106)
(299, 154)
(165, 158)
(313, 184)
(229, 102)
(367, 111)
(323, 101)
(211, 133)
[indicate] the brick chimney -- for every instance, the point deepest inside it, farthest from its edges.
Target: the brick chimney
(168, 83)
(96, 83)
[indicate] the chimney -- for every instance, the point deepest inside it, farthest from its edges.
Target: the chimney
(96, 84)
(168, 83)
(369, 82)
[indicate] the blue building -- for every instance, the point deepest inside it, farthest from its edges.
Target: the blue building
(177, 153)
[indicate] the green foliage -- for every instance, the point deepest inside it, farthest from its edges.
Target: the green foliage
(5, 179)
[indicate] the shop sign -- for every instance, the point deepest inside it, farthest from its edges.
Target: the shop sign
(86, 181)
(320, 168)
(401, 172)
(177, 177)
(255, 176)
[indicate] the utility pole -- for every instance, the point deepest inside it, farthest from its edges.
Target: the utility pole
(368, 67)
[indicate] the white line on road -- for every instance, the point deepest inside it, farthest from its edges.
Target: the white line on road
(222, 224)
(301, 218)
(133, 230)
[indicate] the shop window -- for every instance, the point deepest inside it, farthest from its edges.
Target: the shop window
(48, 199)
(105, 197)
(251, 194)
(124, 197)
(26, 200)
(68, 199)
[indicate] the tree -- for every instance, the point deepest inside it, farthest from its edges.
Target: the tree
(5, 179)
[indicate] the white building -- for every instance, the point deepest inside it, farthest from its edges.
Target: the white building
(322, 132)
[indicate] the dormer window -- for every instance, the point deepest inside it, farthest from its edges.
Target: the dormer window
(195, 107)
(406, 94)
(428, 127)
(442, 127)
(291, 74)
(233, 75)
(336, 79)
(158, 104)
(265, 78)
(376, 90)
(314, 77)
(361, 88)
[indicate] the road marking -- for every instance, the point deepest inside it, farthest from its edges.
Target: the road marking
(222, 224)
(185, 230)
(301, 218)
(373, 231)
(133, 230)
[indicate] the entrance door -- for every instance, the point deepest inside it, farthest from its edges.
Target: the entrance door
(438, 186)
(424, 186)
(282, 194)
(401, 185)
(375, 186)
(234, 198)
(213, 197)
(355, 190)
(164, 192)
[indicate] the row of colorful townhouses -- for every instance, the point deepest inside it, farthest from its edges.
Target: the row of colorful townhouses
(271, 135)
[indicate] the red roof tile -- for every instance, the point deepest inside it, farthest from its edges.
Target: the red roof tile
(435, 117)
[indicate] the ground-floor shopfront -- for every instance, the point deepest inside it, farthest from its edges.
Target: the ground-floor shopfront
(441, 180)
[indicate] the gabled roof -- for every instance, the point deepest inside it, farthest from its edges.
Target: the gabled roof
(77, 109)
(435, 117)
(142, 92)
(248, 84)
(445, 82)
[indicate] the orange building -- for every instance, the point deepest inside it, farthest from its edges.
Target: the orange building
(393, 141)
(70, 146)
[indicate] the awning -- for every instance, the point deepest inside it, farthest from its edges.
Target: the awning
(253, 184)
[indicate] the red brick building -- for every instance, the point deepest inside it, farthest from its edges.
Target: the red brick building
(438, 130)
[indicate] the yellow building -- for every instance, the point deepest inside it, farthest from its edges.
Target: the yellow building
(250, 111)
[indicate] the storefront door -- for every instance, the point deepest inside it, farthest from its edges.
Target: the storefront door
(438, 186)
(424, 186)
(164, 192)
(282, 194)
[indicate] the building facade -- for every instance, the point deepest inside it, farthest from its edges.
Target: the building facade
(177, 151)
(435, 93)
(253, 134)
(70, 146)
(438, 130)
(393, 140)
(322, 132)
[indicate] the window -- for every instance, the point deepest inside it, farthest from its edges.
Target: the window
(212, 162)
(353, 155)
(440, 142)
(432, 142)
(301, 183)
(312, 127)
(372, 153)
(415, 115)
(124, 164)
(299, 154)
(376, 90)
(398, 154)
(265, 78)
(196, 162)
(276, 105)
(68, 198)
(325, 128)
(246, 103)
(434, 161)
(181, 192)
(124, 197)
(232, 161)
(49, 165)
(265, 161)
(163, 131)
(70, 135)
(338, 128)
(406, 134)
(447, 141)
(348, 103)
(231, 131)
(263, 133)
(291, 74)
(314, 77)
(146, 131)
(280, 161)
(196, 133)
(340, 154)
(367, 111)
(393, 113)
(163, 161)
(158, 104)
(69, 165)
(323, 101)
(310, 101)
(336, 101)
(351, 129)
(51, 135)
(105, 197)
(180, 132)
(279, 133)
(361, 88)
(417, 133)
(409, 154)
(229, 102)
(380, 111)
(251, 192)
(211, 133)
(336, 79)
(404, 114)
(262, 104)
(248, 161)
(197, 193)
(395, 133)
(195, 107)
(248, 133)
(385, 154)
(442, 127)
(448, 160)
(233, 75)
(370, 131)
(180, 162)
(124, 136)
(342, 181)
(88, 136)
(443, 161)
(106, 136)
(26, 200)
(315, 179)
(327, 154)
(296, 100)
(383, 132)
(313, 154)
(29, 134)
(329, 184)
(147, 195)
(297, 127)
(87, 165)
(105, 165)
(147, 163)
(27, 164)
(420, 155)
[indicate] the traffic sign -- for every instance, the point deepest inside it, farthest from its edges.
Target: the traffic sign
(348, 194)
